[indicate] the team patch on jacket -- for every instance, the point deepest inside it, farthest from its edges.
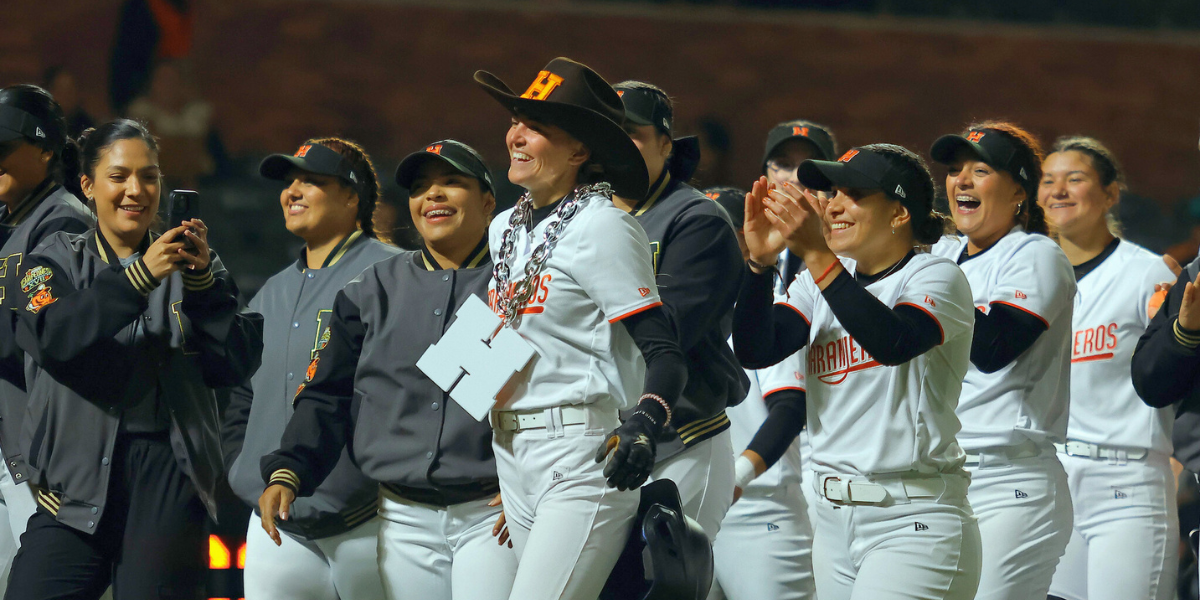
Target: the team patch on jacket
(40, 298)
(35, 277)
(312, 369)
(324, 339)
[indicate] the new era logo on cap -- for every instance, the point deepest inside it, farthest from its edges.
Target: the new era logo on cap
(900, 192)
(353, 177)
(38, 132)
(303, 151)
(1023, 175)
(543, 85)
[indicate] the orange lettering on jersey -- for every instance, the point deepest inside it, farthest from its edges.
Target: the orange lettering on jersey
(1094, 343)
(800, 131)
(832, 362)
(1021, 295)
(303, 151)
(537, 301)
(542, 86)
(848, 155)
(975, 136)
(434, 149)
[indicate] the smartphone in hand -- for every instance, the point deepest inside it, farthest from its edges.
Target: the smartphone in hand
(183, 205)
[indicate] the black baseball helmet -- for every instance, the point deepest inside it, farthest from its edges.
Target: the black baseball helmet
(668, 556)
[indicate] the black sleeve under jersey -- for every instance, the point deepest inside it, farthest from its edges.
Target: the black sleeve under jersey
(1002, 335)
(892, 336)
(765, 333)
(699, 277)
(666, 368)
(1166, 363)
(322, 422)
(785, 418)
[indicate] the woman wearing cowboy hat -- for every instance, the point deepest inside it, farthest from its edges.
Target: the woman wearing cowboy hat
(569, 267)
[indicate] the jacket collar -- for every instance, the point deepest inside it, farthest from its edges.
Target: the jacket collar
(100, 245)
(26, 206)
(657, 190)
(334, 255)
(477, 257)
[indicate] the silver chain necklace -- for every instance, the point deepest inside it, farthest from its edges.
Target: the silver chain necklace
(512, 298)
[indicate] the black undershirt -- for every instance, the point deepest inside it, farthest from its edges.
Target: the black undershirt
(1003, 333)
(1087, 266)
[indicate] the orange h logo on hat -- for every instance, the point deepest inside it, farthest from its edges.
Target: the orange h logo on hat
(434, 149)
(800, 131)
(848, 155)
(303, 151)
(975, 136)
(542, 86)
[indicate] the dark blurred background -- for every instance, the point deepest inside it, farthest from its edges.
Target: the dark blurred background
(224, 83)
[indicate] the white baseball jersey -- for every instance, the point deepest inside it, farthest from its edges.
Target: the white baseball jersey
(747, 417)
(867, 419)
(1110, 316)
(1027, 398)
(599, 272)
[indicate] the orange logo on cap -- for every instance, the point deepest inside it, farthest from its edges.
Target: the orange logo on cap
(800, 131)
(848, 155)
(975, 136)
(620, 93)
(434, 149)
(542, 86)
(712, 195)
(303, 151)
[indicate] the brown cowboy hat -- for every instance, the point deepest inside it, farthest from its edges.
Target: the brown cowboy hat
(571, 96)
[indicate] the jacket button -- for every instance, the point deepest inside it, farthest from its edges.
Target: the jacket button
(310, 275)
(95, 510)
(290, 375)
(435, 406)
(12, 463)
(428, 455)
(18, 476)
(91, 523)
(104, 461)
(437, 312)
(445, 278)
(296, 325)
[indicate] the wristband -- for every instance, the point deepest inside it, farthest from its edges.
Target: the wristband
(743, 472)
(757, 266)
(660, 401)
(648, 417)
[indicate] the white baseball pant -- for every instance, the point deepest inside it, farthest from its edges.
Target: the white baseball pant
(1125, 543)
(16, 506)
(1024, 511)
(900, 549)
(704, 475)
(442, 553)
(764, 548)
(567, 526)
(810, 493)
(339, 567)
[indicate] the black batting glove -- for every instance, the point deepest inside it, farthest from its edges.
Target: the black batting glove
(633, 458)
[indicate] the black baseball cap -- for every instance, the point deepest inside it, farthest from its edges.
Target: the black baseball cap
(732, 199)
(645, 107)
(462, 157)
(864, 169)
(994, 148)
(814, 134)
(314, 158)
(16, 123)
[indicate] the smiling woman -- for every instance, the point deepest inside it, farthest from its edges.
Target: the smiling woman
(128, 333)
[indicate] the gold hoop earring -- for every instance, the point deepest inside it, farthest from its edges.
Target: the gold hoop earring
(1018, 208)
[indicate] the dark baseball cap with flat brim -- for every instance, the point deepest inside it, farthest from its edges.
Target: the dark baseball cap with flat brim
(313, 158)
(459, 156)
(17, 124)
(816, 136)
(995, 149)
(732, 199)
(860, 169)
(573, 97)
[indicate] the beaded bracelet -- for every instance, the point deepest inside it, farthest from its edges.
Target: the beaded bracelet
(660, 401)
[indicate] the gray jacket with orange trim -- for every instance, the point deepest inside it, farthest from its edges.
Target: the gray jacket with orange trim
(49, 209)
(297, 305)
(99, 337)
(698, 267)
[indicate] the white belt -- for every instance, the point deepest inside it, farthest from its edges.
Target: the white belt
(844, 490)
(523, 420)
(1003, 455)
(1094, 451)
